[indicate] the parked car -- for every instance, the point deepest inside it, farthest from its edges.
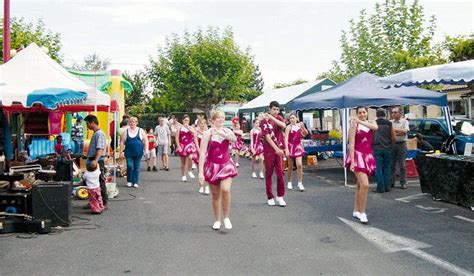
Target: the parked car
(435, 131)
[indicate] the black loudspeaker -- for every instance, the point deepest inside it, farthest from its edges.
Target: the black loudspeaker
(52, 200)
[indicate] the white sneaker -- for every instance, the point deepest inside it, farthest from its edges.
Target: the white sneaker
(184, 179)
(217, 225)
(237, 165)
(129, 184)
(135, 185)
(254, 175)
(191, 174)
(227, 223)
(193, 166)
(289, 186)
(206, 190)
(363, 218)
(271, 202)
(201, 190)
(300, 186)
(356, 214)
(261, 175)
(281, 202)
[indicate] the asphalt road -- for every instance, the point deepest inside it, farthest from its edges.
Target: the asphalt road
(167, 230)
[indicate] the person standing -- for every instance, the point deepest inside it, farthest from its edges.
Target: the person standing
(217, 168)
(201, 129)
(238, 144)
(95, 153)
(294, 149)
(92, 178)
(399, 150)
(174, 125)
(384, 139)
(151, 156)
(133, 145)
(360, 159)
(273, 147)
(163, 138)
(77, 136)
(256, 147)
(185, 147)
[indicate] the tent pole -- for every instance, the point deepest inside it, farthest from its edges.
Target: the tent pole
(344, 115)
(447, 117)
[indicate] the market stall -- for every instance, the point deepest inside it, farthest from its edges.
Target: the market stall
(364, 90)
(446, 177)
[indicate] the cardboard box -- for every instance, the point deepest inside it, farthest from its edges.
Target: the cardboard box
(411, 144)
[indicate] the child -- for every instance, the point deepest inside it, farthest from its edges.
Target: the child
(237, 145)
(91, 177)
(151, 157)
(256, 147)
(294, 149)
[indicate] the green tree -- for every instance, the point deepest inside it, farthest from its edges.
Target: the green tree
(23, 33)
(460, 48)
(396, 37)
(136, 102)
(92, 62)
(296, 82)
(202, 69)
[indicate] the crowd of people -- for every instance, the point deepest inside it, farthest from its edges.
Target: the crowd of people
(375, 147)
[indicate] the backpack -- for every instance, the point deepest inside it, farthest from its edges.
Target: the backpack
(449, 146)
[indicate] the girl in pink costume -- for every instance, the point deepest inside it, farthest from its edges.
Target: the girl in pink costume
(238, 144)
(294, 149)
(360, 159)
(185, 147)
(217, 168)
(201, 128)
(256, 147)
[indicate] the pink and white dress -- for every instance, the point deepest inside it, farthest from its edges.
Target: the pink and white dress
(238, 144)
(196, 154)
(364, 160)
(218, 165)
(257, 142)
(295, 147)
(186, 141)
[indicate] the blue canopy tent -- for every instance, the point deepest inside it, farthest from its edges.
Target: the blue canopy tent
(365, 90)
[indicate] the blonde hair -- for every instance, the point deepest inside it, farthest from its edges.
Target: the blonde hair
(133, 119)
(216, 113)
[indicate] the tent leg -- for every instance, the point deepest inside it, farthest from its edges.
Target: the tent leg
(345, 117)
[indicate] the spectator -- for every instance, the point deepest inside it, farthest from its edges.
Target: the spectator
(163, 138)
(422, 144)
(399, 150)
(382, 144)
(77, 136)
(133, 145)
(95, 153)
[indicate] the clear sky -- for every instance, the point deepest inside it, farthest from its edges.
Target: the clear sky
(289, 39)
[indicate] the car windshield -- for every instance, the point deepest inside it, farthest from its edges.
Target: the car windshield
(463, 128)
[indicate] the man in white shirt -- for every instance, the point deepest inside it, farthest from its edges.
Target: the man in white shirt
(399, 150)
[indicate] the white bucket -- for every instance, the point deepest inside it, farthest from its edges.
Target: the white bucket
(112, 190)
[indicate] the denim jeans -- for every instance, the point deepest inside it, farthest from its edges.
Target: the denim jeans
(133, 169)
(383, 158)
(78, 147)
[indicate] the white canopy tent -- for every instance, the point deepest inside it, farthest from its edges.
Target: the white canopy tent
(33, 70)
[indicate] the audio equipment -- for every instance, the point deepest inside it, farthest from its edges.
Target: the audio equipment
(20, 225)
(52, 200)
(16, 203)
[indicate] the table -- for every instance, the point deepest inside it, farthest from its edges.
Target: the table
(447, 177)
(318, 149)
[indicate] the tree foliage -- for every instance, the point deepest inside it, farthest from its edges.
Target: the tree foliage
(460, 48)
(296, 82)
(396, 37)
(92, 62)
(23, 33)
(202, 69)
(137, 101)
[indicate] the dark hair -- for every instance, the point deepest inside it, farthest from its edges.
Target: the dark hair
(185, 116)
(91, 119)
(91, 167)
(148, 129)
(59, 137)
(274, 104)
(359, 107)
(419, 136)
(124, 123)
(125, 116)
(380, 112)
